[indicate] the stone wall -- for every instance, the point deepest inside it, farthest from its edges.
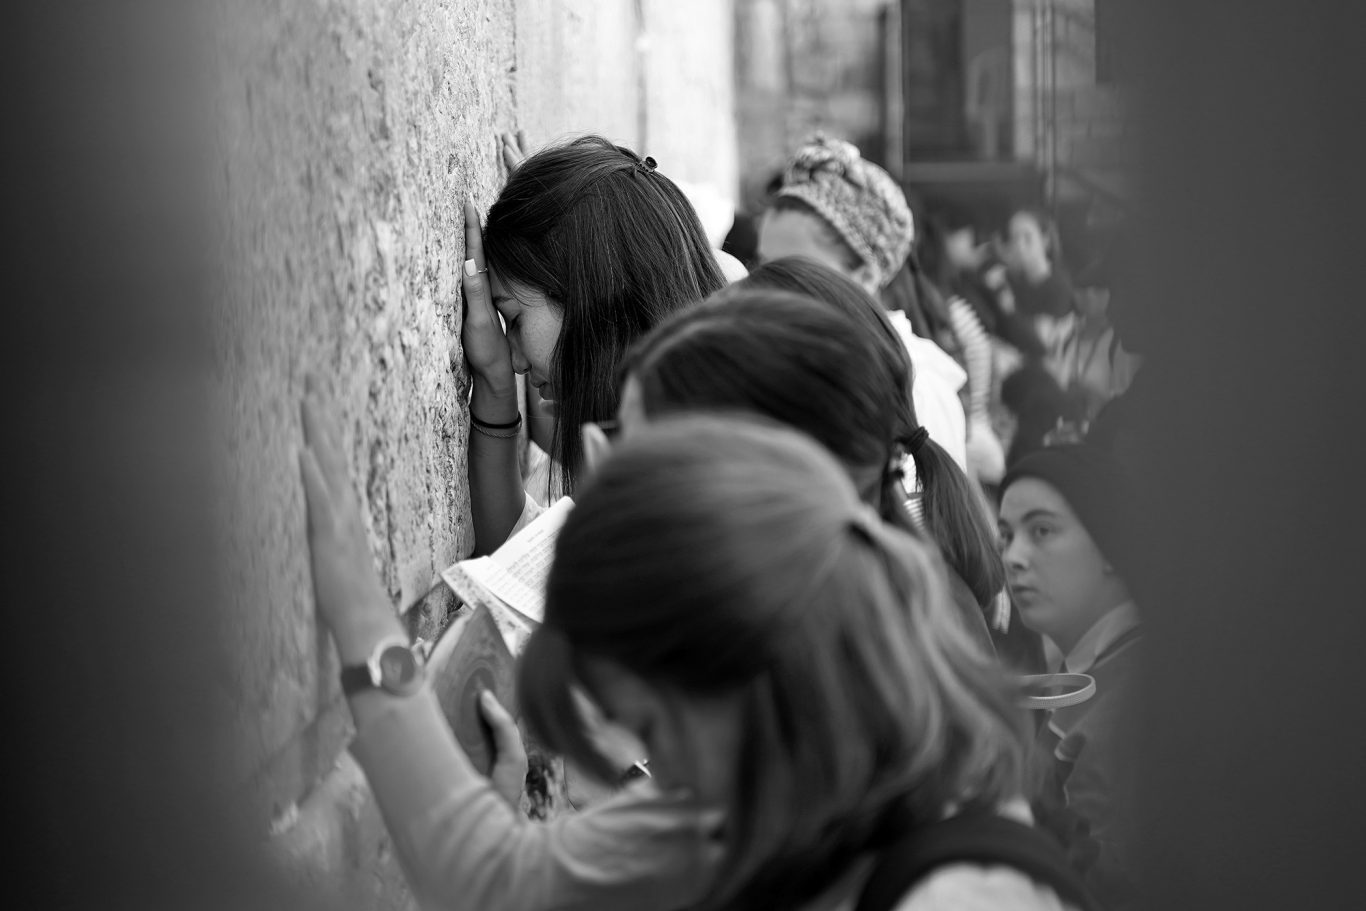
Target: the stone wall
(803, 66)
(350, 133)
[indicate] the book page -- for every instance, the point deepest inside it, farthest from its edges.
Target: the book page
(512, 579)
(517, 572)
(467, 580)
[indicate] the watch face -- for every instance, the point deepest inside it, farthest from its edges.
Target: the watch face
(399, 669)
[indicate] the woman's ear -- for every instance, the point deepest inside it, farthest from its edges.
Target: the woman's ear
(596, 448)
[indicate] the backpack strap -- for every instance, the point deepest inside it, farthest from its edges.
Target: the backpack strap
(977, 837)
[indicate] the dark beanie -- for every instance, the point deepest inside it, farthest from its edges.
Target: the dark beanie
(1094, 486)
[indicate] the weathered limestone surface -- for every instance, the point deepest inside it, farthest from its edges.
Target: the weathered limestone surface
(805, 66)
(350, 132)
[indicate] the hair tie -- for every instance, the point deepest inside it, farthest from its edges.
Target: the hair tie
(896, 470)
(650, 164)
(917, 440)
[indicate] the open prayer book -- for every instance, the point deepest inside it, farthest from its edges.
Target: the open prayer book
(471, 656)
(510, 582)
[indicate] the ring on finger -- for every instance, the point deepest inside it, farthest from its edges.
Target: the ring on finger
(471, 268)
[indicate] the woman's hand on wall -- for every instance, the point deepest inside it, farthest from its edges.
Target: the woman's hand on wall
(514, 150)
(346, 588)
(481, 333)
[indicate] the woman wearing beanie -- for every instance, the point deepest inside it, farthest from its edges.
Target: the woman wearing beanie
(1064, 524)
(840, 210)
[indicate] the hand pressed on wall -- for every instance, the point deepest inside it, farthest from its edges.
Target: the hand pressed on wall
(350, 599)
(514, 149)
(481, 332)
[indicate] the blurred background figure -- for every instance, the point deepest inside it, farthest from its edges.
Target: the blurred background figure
(961, 268)
(848, 214)
(1094, 365)
(1031, 253)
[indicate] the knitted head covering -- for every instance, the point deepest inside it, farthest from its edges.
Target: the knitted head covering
(861, 202)
(1094, 486)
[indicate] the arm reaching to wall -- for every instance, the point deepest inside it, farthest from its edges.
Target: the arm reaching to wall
(461, 842)
(462, 845)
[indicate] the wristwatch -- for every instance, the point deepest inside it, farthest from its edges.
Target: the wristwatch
(393, 666)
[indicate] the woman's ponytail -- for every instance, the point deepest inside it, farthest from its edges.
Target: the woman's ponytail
(957, 519)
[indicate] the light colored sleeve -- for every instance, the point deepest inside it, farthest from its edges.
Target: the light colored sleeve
(976, 353)
(941, 413)
(530, 510)
(540, 472)
(972, 887)
(463, 847)
(934, 390)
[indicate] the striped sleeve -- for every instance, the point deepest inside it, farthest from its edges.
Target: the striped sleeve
(976, 346)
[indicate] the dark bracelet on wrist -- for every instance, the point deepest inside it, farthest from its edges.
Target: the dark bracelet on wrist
(510, 425)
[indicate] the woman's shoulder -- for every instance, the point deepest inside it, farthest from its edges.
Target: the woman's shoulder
(974, 887)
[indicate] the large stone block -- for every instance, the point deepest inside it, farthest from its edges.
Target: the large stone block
(687, 52)
(349, 133)
(336, 846)
(577, 69)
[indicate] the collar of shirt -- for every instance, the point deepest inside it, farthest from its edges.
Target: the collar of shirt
(1095, 641)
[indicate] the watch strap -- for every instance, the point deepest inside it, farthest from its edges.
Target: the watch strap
(356, 678)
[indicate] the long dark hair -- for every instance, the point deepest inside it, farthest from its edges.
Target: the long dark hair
(954, 514)
(714, 557)
(616, 246)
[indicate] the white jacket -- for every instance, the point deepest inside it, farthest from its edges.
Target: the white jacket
(938, 378)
